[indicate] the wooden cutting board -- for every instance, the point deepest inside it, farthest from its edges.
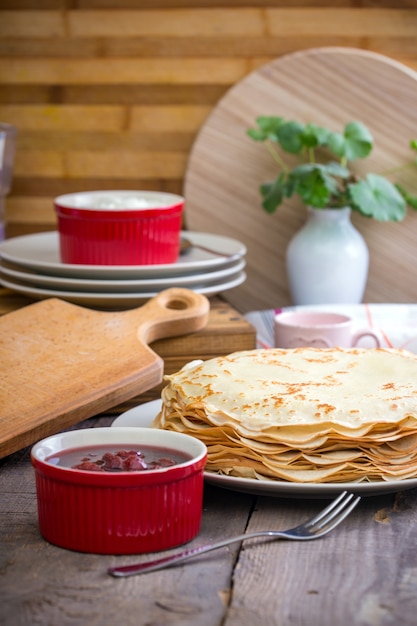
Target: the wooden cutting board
(62, 363)
(331, 87)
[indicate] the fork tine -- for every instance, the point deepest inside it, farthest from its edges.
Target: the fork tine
(338, 503)
(335, 516)
(343, 512)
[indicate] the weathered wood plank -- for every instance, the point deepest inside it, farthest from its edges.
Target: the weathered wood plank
(169, 22)
(50, 187)
(39, 163)
(38, 210)
(65, 117)
(359, 22)
(105, 118)
(162, 94)
(88, 164)
(209, 22)
(74, 588)
(97, 140)
(169, 4)
(364, 573)
(32, 24)
(85, 164)
(126, 70)
(401, 47)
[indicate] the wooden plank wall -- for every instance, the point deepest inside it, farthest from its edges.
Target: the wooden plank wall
(111, 93)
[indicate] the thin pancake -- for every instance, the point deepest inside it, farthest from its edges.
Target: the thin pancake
(309, 415)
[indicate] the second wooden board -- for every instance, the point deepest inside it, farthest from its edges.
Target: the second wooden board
(330, 87)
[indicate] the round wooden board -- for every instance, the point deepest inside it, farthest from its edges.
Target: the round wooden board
(330, 87)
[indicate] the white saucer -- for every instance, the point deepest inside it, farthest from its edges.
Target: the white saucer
(40, 252)
(129, 299)
(144, 414)
(31, 278)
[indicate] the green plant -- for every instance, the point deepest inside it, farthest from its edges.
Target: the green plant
(323, 177)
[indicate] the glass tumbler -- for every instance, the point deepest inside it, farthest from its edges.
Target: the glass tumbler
(7, 152)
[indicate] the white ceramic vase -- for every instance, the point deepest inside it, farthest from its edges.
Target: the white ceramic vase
(327, 260)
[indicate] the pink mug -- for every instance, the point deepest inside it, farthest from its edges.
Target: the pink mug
(318, 330)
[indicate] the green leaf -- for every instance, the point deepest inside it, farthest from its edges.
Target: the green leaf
(319, 185)
(270, 123)
(267, 128)
(335, 169)
(273, 194)
(355, 143)
(290, 137)
(410, 200)
(328, 183)
(314, 136)
(336, 143)
(359, 141)
(378, 198)
(256, 134)
(413, 146)
(312, 185)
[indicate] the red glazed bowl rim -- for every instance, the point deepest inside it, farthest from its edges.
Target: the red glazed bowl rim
(125, 436)
(79, 203)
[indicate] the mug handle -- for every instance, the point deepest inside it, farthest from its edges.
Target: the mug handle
(366, 333)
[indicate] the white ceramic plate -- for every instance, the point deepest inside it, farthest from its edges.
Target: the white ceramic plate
(125, 300)
(40, 251)
(144, 414)
(30, 278)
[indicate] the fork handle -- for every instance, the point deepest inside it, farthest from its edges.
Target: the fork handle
(152, 566)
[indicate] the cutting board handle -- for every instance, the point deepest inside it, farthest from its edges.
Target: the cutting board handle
(172, 312)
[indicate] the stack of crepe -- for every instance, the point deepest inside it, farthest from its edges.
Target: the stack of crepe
(304, 415)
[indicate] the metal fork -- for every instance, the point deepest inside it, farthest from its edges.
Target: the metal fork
(320, 525)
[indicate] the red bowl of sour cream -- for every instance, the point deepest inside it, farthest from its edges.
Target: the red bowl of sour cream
(119, 227)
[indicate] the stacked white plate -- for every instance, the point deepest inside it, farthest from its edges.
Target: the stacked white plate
(31, 265)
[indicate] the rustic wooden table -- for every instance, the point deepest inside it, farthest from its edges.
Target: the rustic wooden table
(363, 574)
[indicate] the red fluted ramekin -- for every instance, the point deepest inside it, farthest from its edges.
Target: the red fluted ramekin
(119, 512)
(119, 227)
